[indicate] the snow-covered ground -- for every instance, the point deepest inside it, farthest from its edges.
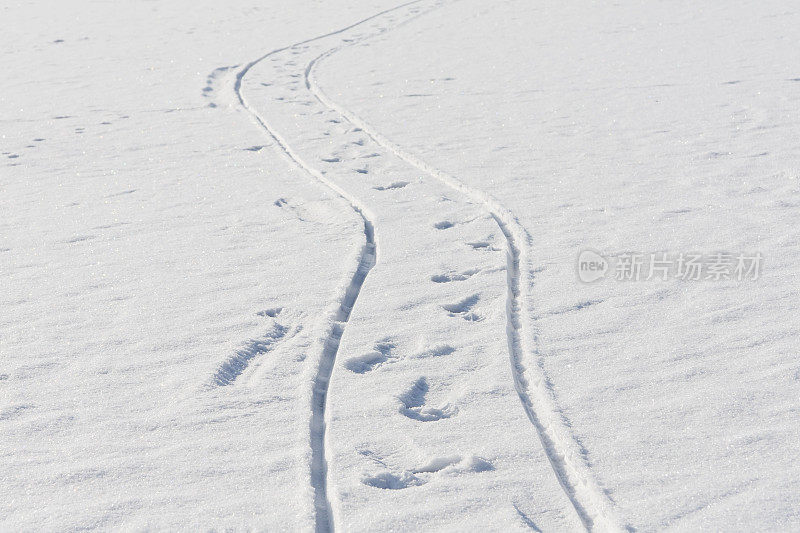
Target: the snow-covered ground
(313, 265)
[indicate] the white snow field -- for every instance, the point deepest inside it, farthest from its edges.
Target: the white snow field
(313, 265)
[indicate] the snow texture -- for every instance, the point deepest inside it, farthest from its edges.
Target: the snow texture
(312, 266)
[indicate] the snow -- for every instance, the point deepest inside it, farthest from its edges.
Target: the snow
(313, 266)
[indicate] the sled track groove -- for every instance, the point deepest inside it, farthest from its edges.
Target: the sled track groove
(566, 456)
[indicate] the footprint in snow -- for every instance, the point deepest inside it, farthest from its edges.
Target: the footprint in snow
(413, 404)
(361, 364)
(272, 313)
(449, 466)
(437, 351)
(483, 245)
(454, 276)
(394, 185)
(389, 481)
(463, 309)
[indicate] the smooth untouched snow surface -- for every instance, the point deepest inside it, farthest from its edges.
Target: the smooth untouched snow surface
(312, 266)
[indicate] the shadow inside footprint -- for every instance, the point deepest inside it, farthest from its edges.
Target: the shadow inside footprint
(454, 276)
(395, 185)
(437, 351)
(387, 480)
(437, 466)
(362, 364)
(413, 404)
(367, 362)
(463, 308)
(455, 464)
(483, 245)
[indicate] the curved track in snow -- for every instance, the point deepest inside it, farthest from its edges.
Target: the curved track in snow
(367, 259)
(565, 455)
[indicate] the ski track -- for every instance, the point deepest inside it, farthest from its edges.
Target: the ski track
(368, 258)
(566, 456)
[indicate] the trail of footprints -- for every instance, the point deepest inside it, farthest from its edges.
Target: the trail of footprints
(413, 402)
(353, 157)
(67, 124)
